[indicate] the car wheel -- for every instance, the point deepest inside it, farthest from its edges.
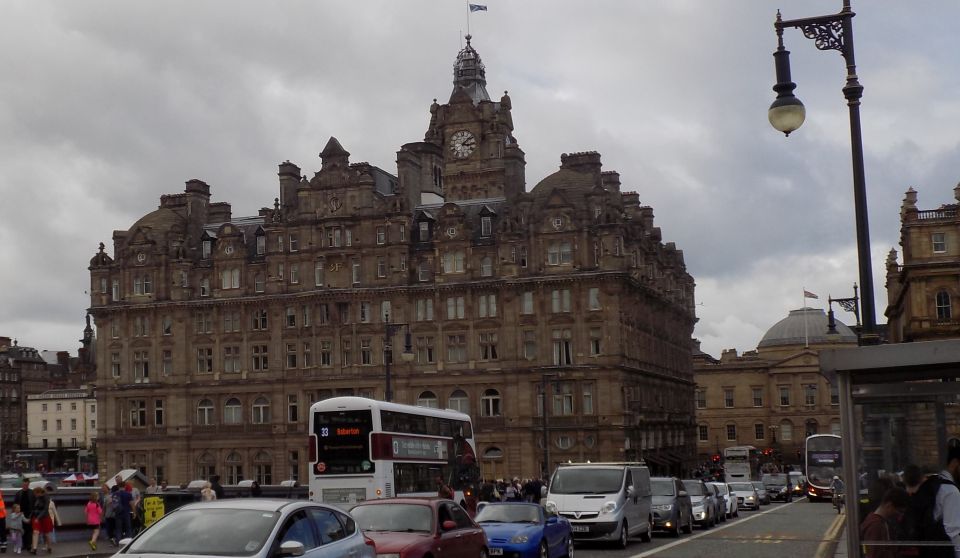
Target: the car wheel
(647, 536)
(624, 535)
(544, 551)
(689, 527)
(569, 553)
(483, 553)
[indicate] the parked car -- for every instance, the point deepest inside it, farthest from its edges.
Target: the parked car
(672, 507)
(603, 502)
(762, 492)
(398, 526)
(745, 494)
(730, 507)
(704, 502)
(252, 528)
(524, 530)
(776, 486)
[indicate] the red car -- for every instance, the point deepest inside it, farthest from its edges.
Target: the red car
(416, 527)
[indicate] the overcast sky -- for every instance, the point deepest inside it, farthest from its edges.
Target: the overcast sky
(105, 106)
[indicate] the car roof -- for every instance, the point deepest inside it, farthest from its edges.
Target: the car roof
(422, 501)
(510, 504)
(258, 504)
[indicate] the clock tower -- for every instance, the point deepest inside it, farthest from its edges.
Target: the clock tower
(469, 151)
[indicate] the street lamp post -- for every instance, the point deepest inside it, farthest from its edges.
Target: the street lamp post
(389, 330)
(786, 114)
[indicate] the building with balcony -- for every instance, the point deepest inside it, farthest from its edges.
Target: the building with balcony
(215, 332)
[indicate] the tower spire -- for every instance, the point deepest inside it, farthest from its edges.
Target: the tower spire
(470, 74)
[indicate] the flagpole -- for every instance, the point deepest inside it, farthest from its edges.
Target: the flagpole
(468, 18)
(803, 308)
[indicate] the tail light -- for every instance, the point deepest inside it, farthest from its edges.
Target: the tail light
(369, 542)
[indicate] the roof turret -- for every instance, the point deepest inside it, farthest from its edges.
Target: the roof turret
(469, 74)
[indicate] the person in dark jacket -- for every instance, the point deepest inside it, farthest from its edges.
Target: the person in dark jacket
(215, 485)
(255, 490)
(24, 497)
(921, 522)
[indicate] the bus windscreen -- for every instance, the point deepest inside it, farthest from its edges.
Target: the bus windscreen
(343, 442)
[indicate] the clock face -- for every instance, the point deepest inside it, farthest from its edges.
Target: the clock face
(462, 144)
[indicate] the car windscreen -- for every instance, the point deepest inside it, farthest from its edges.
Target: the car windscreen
(741, 486)
(662, 487)
(774, 480)
(508, 513)
(694, 488)
(403, 518)
(586, 480)
(207, 531)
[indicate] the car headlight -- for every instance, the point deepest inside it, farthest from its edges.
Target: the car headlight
(608, 507)
(663, 507)
(550, 506)
(749, 497)
(519, 539)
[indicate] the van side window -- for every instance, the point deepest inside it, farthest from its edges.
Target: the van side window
(629, 479)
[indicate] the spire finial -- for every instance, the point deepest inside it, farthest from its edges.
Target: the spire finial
(468, 37)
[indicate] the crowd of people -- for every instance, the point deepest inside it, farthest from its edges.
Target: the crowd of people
(499, 490)
(30, 522)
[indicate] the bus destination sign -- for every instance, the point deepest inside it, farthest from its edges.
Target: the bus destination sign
(419, 448)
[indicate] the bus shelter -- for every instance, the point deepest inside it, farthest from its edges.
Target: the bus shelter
(899, 405)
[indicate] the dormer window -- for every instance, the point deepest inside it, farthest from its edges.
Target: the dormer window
(486, 227)
(424, 231)
(261, 244)
(207, 248)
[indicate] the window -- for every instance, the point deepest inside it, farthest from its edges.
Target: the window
(565, 442)
(381, 235)
(363, 315)
(784, 396)
(142, 285)
(205, 286)
(234, 468)
(560, 300)
(258, 283)
(487, 307)
(166, 362)
(280, 271)
(231, 360)
(260, 360)
(594, 298)
(261, 244)
(43, 425)
(294, 243)
(259, 320)
(345, 350)
(262, 469)
(425, 310)
(943, 305)
(453, 261)
(326, 353)
(355, 271)
(115, 329)
(939, 241)
(459, 401)
(291, 319)
(261, 411)
(60, 422)
(203, 322)
(115, 290)
(141, 326)
(835, 427)
(728, 398)
(563, 399)
(490, 403)
(293, 412)
(158, 412)
(456, 348)
(424, 231)
(558, 253)
(323, 313)
(291, 355)
(230, 279)
(526, 303)
(529, 344)
(703, 433)
(425, 351)
(423, 271)
(403, 233)
(138, 413)
(488, 346)
(294, 274)
(366, 351)
(731, 432)
(587, 390)
(522, 254)
(486, 226)
(786, 431)
(348, 237)
(231, 321)
(103, 285)
(810, 395)
(141, 366)
(403, 262)
(204, 360)
(700, 397)
(758, 431)
(486, 266)
(757, 397)
(206, 249)
(318, 273)
(232, 411)
(596, 336)
(834, 395)
(333, 237)
(428, 399)
(455, 308)
(562, 347)
(115, 365)
(381, 267)
(305, 312)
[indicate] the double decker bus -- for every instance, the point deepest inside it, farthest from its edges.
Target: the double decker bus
(823, 462)
(362, 449)
(738, 463)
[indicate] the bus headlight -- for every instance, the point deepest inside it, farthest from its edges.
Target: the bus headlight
(608, 507)
(550, 506)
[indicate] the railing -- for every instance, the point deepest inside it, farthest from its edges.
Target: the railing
(931, 214)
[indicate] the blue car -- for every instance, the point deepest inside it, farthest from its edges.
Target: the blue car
(521, 530)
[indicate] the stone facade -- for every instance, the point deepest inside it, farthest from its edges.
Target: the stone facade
(215, 333)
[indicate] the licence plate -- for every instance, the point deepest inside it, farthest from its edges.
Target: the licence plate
(494, 551)
(580, 528)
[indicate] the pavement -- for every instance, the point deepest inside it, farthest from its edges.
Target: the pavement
(72, 544)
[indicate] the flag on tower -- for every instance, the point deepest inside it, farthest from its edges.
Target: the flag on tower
(478, 7)
(808, 294)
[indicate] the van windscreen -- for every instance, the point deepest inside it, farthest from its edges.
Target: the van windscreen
(586, 480)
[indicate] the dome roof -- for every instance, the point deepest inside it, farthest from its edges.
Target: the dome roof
(805, 325)
(564, 180)
(161, 220)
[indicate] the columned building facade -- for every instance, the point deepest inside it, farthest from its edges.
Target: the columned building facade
(215, 333)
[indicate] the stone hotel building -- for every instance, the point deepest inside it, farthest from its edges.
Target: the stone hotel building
(216, 332)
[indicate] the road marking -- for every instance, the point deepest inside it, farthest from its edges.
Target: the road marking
(710, 532)
(828, 546)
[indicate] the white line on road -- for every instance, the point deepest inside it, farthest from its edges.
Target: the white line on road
(711, 531)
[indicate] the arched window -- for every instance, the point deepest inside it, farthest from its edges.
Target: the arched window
(234, 466)
(263, 468)
(490, 403)
(486, 266)
(232, 411)
(261, 411)
(205, 412)
(428, 399)
(206, 466)
(943, 305)
(811, 427)
(459, 401)
(493, 453)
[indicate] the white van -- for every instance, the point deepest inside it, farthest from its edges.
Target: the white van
(603, 501)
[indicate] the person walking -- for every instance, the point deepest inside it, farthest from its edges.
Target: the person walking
(41, 522)
(109, 515)
(94, 514)
(14, 522)
(24, 497)
(55, 518)
(255, 490)
(876, 528)
(207, 494)
(217, 489)
(3, 522)
(122, 512)
(934, 511)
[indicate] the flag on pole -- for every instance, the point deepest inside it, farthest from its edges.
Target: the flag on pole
(478, 7)
(808, 294)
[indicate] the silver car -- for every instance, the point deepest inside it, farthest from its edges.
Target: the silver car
(252, 528)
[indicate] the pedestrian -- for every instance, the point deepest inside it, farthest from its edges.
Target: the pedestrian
(207, 494)
(109, 514)
(217, 489)
(24, 497)
(934, 511)
(14, 524)
(135, 507)
(41, 523)
(443, 491)
(122, 512)
(878, 526)
(3, 523)
(94, 514)
(255, 490)
(152, 487)
(510, 492)
(55, 517)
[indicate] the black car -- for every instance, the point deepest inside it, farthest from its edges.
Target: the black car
(776, 486)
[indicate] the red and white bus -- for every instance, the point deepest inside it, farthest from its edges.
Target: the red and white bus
(363, 449)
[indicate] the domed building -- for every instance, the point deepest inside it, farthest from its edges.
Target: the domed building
(772, 397)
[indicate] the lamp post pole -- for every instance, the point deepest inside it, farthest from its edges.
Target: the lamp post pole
(389, 330)
(832, 32)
